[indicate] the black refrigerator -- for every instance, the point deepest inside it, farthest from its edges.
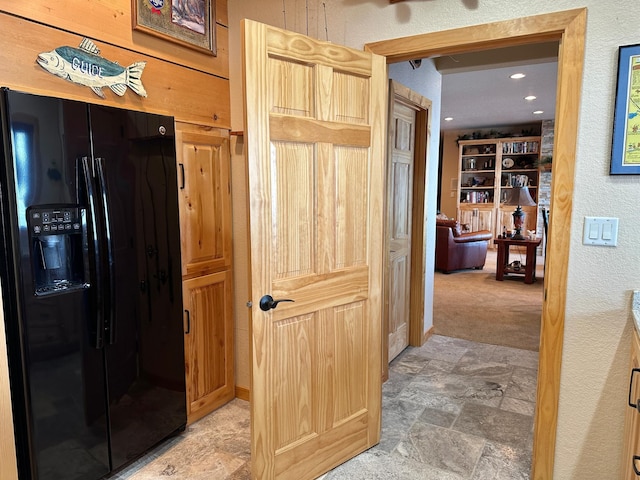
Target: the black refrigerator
(91, 285)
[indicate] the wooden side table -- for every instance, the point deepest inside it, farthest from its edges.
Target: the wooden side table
(528, 269)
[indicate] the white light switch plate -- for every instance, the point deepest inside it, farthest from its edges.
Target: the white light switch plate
(600, 231)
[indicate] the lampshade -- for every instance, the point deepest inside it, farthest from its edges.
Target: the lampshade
(520, 196)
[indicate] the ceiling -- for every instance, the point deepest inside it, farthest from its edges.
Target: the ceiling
(478, 93)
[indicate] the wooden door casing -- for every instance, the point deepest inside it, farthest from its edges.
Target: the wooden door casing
(315, 133)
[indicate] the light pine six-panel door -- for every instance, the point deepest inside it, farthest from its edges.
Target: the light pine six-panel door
(399, 216)
(315, 132)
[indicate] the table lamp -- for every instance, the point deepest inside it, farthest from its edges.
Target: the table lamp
(520, 196)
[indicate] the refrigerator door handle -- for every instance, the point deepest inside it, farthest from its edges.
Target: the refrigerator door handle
(109, 304)
(96, 329)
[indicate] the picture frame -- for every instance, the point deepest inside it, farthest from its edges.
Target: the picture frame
(625, 149)
(190, 23)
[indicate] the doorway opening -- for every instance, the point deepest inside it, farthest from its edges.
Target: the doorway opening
(569, 29)
(494, 115)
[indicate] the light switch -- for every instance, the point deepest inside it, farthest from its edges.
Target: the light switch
(600, 231)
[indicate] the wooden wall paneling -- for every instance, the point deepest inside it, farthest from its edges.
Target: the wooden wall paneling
(157, 47)
(109, 21)
(196, 97)
(222, 12)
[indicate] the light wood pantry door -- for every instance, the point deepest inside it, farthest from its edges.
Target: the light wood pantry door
(402, 129)
(315, 131)
(208, 343)
(204, 197)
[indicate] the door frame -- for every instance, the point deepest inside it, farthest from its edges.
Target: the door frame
(568, 28)
(422, 139)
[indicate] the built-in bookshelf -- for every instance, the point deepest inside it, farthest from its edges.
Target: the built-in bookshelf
(488, 171)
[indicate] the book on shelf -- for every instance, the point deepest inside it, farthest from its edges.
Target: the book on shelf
(477, 197)
(520, 147)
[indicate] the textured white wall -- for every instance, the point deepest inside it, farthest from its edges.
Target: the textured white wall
(600, 279)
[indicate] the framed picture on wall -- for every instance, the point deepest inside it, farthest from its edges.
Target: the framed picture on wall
(625, 150)
(190, 23)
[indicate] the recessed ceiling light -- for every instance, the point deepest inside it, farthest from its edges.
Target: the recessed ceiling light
(448, 119)
(530, 97)
(516, 76)
(538, 112)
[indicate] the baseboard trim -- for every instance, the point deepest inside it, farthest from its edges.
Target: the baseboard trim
(428, 334)
(243, 393)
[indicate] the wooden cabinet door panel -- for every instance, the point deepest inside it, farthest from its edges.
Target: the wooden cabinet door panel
(208, 343)
(466, 216)
(477, 218)
(484, 219)
(204, 198)
(632, 416)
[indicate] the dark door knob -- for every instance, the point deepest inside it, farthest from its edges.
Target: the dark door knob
(267, 302)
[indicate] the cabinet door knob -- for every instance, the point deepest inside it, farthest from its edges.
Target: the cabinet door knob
(633, 462)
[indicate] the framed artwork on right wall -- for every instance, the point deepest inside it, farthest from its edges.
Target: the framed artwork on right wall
(625, 149)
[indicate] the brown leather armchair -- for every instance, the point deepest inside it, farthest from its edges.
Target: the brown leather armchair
(456, 250)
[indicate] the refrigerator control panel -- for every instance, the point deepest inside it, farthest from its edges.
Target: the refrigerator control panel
(54, 221)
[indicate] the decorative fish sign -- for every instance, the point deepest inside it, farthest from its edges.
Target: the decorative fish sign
(85, 66)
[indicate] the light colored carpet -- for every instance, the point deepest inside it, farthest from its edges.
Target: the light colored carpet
(472, 305)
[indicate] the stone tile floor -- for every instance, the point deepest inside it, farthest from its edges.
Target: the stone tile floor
(452, 409)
